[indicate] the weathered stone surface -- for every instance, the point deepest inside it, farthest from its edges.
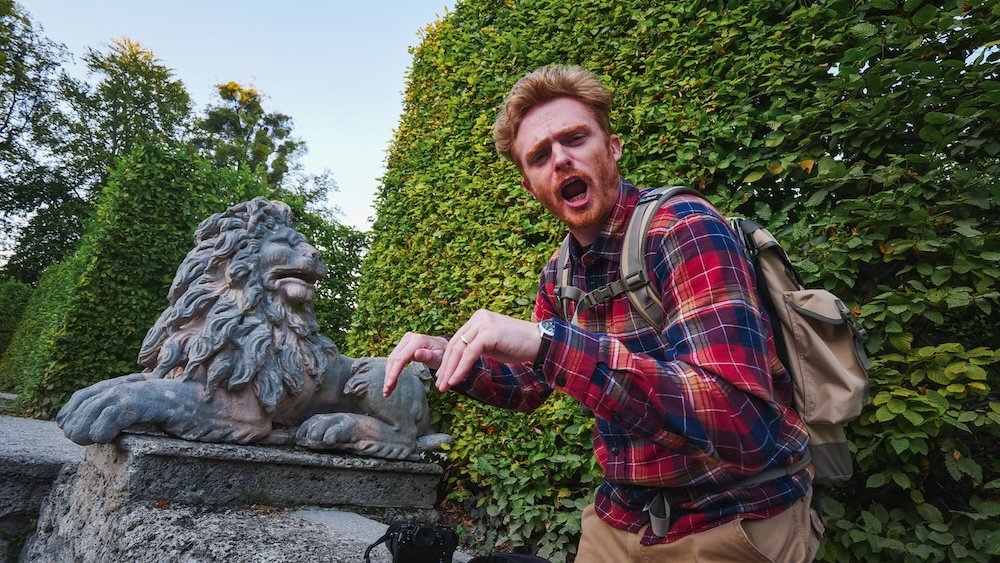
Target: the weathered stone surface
(95, 529)
(155, 467)
(152, 498)
(32, 452)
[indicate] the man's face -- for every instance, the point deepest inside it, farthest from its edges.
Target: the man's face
(569, 164)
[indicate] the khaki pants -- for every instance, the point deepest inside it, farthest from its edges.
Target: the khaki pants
(791, 536)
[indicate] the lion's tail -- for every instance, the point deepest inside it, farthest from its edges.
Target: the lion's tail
(429, 442)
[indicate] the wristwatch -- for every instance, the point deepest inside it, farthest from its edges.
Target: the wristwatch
(547, 329)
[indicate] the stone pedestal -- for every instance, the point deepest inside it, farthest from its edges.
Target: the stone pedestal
(152, 498)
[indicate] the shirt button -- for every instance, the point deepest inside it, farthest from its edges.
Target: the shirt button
(614, 451)
(560, 381)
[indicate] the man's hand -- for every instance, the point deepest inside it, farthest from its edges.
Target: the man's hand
(503, 338)
(413, 347)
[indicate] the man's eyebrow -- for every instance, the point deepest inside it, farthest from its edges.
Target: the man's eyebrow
(565, 131)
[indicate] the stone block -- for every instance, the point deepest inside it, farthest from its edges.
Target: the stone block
(156, 468)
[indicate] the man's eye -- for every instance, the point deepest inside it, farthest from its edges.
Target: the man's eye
(577, 139)
(539, 157)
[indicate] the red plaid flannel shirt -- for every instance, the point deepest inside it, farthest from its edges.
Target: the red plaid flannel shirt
(702, 404)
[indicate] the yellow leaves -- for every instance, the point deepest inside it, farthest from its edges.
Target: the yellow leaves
(235, 91)
(807, 165)
(131, 49)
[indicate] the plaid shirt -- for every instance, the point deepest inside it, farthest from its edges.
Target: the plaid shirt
(701, 404)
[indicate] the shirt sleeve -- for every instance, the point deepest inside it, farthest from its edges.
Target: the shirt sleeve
(709, 396)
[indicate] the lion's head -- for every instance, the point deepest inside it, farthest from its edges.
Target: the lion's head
(241, 307)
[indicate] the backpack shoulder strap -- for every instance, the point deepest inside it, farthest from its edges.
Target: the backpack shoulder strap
(633, 261)
(634, 278)
(565, 292)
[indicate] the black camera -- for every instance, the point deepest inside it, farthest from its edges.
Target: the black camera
(411, 542)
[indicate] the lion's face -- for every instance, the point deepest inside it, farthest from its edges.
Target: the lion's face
(290, 266)
(240, 308)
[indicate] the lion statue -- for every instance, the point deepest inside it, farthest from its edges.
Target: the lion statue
(237, 356)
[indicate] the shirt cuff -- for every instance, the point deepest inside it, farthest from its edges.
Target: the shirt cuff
(571, 358)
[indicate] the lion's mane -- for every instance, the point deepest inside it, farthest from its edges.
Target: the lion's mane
(225, 323)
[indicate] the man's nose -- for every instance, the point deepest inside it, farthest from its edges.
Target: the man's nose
(560, 156)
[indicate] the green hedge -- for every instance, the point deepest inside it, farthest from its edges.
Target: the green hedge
(14, 296)
(865, 134)
(342, 248)
(24, 360)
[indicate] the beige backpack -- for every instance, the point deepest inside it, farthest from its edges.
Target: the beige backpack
(816, 336)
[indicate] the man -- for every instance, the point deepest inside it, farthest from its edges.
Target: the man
(682, 415)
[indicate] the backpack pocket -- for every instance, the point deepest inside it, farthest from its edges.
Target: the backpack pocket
(827, 356)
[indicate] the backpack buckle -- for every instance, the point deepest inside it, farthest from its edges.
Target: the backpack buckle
(599, 295)
(635, 280)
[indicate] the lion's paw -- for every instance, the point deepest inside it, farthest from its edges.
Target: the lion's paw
(354, 433)
(327, 431)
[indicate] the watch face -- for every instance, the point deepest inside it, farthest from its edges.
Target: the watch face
(547, 327)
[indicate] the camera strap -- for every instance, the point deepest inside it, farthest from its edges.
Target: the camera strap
(379, 541)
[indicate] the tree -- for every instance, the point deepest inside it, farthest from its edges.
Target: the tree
(135, 97)
(28, 71)
(238, 133)
(46, 238)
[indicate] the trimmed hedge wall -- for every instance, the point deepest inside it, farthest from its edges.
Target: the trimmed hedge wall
(14, 296)
(865, 134)
(24, 360)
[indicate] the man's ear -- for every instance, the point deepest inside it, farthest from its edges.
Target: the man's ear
(616, 147)
(527, 186)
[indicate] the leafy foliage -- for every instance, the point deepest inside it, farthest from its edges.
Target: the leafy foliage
(25, 359)
(132, 97)
(50, 234)
(864, 134)
(28, 72)
(28, 63)
(135, 98)
(342, 248)
(238, 133)
(13, 297)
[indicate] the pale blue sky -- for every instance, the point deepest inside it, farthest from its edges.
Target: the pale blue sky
(337, 67)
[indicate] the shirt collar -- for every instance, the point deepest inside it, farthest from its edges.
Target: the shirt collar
(608, 245)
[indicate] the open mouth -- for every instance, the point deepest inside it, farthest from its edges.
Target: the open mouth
(304, 277)
(574, 190)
